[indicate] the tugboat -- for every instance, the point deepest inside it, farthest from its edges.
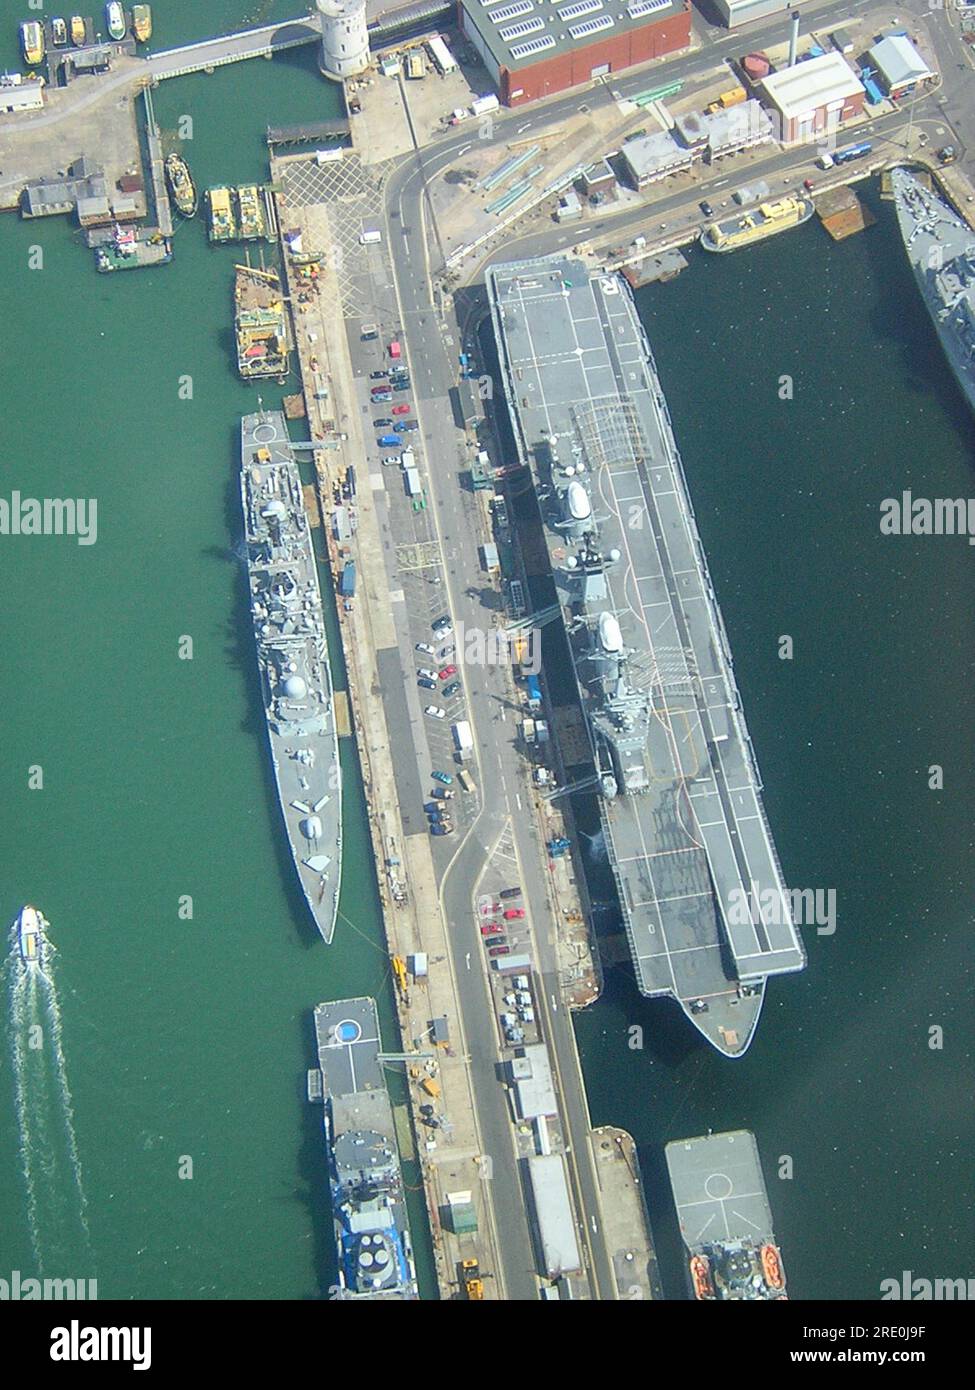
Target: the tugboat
(32, 42)
(115, 19)
(142, 22)
(181, 184)
(30, 926)
(59, 32)
(78, 36)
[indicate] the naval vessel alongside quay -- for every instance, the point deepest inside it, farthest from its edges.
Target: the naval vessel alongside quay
(725, 1220)
(686, 833)
(941, 250)
(372, 1233)
(292, 653)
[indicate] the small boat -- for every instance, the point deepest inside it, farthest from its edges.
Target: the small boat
(59, 32)
(142, 22)
(181, 185)
(115, 19)
(772, 1267)
(30, 926)
(223, 223)
(701, 1277)
(78, 35)
(32, 41)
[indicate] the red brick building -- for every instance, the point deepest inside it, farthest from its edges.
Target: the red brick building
(535, 48)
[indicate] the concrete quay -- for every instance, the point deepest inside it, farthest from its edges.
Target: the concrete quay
(368, 630)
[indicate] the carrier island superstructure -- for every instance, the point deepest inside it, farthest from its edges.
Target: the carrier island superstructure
(699, 883)
(372, 1234)
(292, 653)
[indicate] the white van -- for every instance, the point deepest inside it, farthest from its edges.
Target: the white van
(370, 238)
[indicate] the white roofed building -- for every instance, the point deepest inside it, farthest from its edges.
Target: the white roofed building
(814, 97)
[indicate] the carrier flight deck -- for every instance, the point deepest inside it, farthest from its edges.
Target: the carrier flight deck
(701, 891)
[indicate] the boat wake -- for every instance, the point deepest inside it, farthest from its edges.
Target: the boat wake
(57, 1208)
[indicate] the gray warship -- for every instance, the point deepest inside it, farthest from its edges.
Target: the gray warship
(292, 653)
(724, 1216)
(941, 249)
(372, 1233)
(699, 883)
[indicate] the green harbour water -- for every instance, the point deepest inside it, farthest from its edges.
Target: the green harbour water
(190, 1039)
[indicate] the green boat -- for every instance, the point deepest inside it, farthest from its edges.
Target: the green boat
(252, 224)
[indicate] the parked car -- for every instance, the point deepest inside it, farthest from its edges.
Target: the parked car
(452, 689)
(443, 777)
(389, 441)
(443, 627)
(500, 951)
(435, 712)
(510, 892)
(514, 914)
(426, 673)
(489, 929)
(444, 793)
(382, 424)
(447, 672)
(402, 408)
(378, 376)
(808, 184)
(425, 647)
(426, 684)
(432, 809)
(379, 390)
(706, 208)
(409, 426)
(380, 397)
(445, 652)
(441, 828)
(496, 940)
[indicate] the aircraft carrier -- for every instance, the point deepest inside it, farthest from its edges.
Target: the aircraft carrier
(700, 887)
(292, 653)
(724, 1216)
(941, 249)
(372, 1233)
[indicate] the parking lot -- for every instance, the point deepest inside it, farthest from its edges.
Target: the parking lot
(338, 200)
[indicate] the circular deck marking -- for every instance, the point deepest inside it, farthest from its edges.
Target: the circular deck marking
(348, 1031)
(264, 433)
(719, 1186)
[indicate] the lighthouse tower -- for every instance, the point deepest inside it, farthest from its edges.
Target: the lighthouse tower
(345, 41)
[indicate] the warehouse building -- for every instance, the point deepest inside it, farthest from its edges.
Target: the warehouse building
(899, 65)
(20, 94)
(814, 97)
(534, 49)
(735, 12)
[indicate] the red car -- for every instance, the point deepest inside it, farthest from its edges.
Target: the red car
(489, 929)
(514, 914)
(500, 951)
(401, 409)
(447, 672)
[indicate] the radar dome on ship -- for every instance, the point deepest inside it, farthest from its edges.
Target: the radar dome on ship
(311, 828)
(274, 508)
(295, 688)
(577, 497)
(610, 637)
